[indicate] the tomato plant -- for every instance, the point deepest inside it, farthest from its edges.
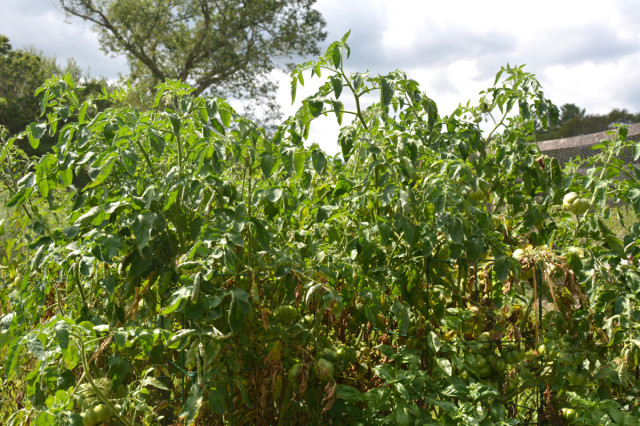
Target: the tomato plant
(184, 264)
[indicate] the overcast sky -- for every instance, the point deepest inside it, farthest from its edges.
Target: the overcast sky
(585, 52)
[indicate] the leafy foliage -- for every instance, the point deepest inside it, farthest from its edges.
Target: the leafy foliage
(428, 275)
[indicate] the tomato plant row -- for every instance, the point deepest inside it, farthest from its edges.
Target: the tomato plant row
(186, 238)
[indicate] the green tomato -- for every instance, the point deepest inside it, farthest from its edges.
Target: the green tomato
(574, 204)
(481, 361)
(581, 378)
(569, 198)
(478, 195)
(293, 374)
(498, 364)
(512, 384)
(324, 370)
(484, 339)
(102, 413)
(308, 320)
(569, 414)
(286, 314)
(89, 417)
(518, 254)
(443, 252)
(328, 354)
(347, 355)
(580, 206)
(483, 367)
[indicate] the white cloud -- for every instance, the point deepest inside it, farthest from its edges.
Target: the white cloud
(40, 24)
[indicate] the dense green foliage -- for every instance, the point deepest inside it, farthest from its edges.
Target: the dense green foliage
(427, 275)
(229, 47)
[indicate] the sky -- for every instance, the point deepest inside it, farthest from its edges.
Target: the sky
(585, 52)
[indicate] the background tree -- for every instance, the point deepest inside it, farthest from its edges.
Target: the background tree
(21, 73)
(575, 122)
(229, 47)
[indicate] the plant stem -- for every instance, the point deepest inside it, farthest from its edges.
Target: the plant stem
(96, 388)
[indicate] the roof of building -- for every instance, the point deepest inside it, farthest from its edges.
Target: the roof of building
(567, 149)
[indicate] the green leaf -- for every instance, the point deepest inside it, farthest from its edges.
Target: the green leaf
(274, 193)
(456, 232)
(260, 233)
(434, 342)
(217, 399)
(316, 106)
(130, 158)
(26, 185)
(44, 418)
(175, 124)
(87, 217)
(35, 346)
(245, 394)
(324, 212)
(235, 238)
(225, 117)
(36, 131)
(104, 170)
(176, 299)
(70, 357)
(152, 381)
(345, 140)
(357, 78)
(338, 108)
(336, 84)
(319, 160)
(403, 415)
(445, 365)
(142, 228)
(156, 142)
(334, 53)
(387, 90)
(119, 367)
(62, 334)
(238, 309)
(402, 313)
(386, 197)
(120, 338)
(501, 267)
(299, 160)
(266, 163)
(294, 86)
(348, 393)
(342, 187)
(212, 107)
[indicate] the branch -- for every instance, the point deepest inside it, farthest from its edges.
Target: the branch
(102, 21)
(197, 49)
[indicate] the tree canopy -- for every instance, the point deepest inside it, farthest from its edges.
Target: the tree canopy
(227, 46)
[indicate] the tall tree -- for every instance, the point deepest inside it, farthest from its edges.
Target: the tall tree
(227, 46)
(21, 73)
